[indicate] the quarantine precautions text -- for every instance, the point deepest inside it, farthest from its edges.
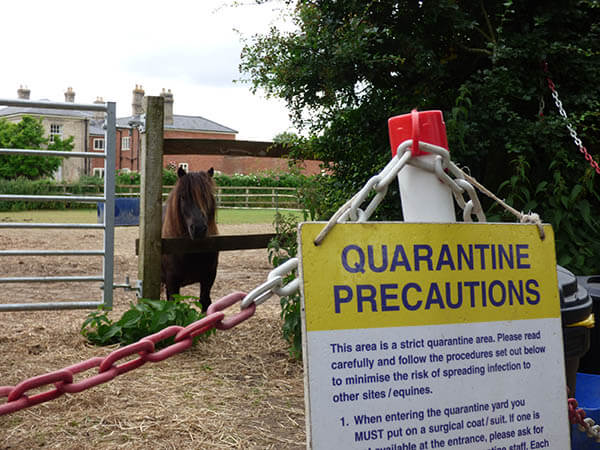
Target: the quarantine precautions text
(455, 294)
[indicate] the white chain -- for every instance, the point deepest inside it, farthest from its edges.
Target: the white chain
(351, 211)
(563, 113)
(274, 284)
(572, 131)
(592, 430)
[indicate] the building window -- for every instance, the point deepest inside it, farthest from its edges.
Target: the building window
(98, 172)
(184, 166)
(125, 143)
(99, 144)
(55, 130)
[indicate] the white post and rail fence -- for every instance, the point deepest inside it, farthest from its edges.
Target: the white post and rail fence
(274, 197)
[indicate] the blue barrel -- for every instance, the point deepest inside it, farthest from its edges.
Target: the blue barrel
(588, 397)
(127, 211)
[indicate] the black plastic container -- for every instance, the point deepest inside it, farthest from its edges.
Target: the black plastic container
(590, 363)
(575, 308)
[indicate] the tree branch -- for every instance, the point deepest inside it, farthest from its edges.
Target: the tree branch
(480, 51)
(492, 37)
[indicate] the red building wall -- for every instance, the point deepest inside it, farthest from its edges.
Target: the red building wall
(238, 164)
(229, 165)
(125, 159)
(130, 159)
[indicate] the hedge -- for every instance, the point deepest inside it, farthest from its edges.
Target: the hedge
(94, 185)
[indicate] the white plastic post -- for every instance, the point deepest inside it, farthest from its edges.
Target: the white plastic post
(424, 197)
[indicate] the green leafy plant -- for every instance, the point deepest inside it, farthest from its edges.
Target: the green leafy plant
(127, 177)
(566, 204)
(43, 186)
(144, 318)
(281, 248)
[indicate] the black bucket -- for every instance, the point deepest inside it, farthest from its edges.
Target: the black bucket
(590, 363)
(577, 320)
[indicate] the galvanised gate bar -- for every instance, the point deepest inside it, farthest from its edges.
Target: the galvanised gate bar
(108, 198)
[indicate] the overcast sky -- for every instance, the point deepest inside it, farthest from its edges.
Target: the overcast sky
(104, 49)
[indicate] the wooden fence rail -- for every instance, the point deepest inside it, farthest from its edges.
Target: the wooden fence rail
(217, 243)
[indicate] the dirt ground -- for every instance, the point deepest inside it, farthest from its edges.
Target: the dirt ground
(237, 389)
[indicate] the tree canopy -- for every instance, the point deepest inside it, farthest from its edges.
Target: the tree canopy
(349, 66)
(29, 134)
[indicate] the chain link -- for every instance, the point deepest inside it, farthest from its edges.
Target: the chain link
(440, 165)
(584, 424)
(568, 124)
(274, 285)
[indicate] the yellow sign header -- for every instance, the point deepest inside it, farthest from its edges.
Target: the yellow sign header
(374, 275)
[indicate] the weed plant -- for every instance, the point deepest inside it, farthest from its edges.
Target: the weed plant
(144, 318)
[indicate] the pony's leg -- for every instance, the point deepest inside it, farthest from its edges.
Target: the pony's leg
(168, 275)
(172, 289)
(207, 280)
(205, 287)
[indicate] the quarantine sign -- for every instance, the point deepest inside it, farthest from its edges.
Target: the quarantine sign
(426, 336)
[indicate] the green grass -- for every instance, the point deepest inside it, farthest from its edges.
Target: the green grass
(236, 216)
(224, 216)
(50, 216)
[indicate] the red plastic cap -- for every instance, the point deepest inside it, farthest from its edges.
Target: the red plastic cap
(423, 126)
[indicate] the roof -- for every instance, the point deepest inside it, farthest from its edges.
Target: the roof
(96, 126)
(194, 123)
(13, 110)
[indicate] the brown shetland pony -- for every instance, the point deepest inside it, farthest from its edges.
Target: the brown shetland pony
(190, 212)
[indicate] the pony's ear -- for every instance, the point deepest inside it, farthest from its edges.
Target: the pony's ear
(210, 171)
(180, 172)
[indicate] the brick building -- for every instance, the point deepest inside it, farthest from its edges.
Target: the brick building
(87, 129)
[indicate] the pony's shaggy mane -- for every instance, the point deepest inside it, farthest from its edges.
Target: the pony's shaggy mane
(199, 186)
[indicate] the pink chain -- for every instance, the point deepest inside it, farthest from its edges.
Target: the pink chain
(576, 414)
(107, 370)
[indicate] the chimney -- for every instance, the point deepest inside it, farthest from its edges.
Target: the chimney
(99, 115)
(136, 104)
(23, 93)
(70, 95)
(168, 99)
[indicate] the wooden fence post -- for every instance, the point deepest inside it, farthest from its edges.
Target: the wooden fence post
(151, 198)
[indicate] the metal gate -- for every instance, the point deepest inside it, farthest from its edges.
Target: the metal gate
(108, 198)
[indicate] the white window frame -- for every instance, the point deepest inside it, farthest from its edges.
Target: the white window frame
(98, 144)
(126, 143)
(56, 129)
(185, 166)
(98, 172)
